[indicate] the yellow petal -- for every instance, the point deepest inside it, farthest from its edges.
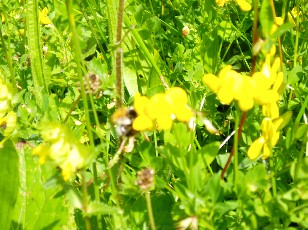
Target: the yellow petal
(221, 3)
(176, 96)
(43, 18)
(212, 82)
(270, 110)
(164, 122)
(267, 97)
(10, 123)
(279, 21)
(142, 123)
(246, 103)
(42, 151)
(244, 5)
(184, 113)
(140, 103)
(267, 128)
(278, 82)
(266, 151)
(255, 148)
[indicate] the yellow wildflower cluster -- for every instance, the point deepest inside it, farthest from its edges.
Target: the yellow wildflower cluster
(60, 148)
(262, 88)
(7, 116)
(244, 5)
(159, 111)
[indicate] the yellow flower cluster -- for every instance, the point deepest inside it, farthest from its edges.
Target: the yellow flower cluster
(244, 5)
(7, 116)
(65, 152)
(159, 111)
(261, 88)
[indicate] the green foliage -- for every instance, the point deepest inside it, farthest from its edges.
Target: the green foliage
(9, 183)
(59, 62)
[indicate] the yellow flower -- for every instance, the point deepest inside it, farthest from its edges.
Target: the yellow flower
(211, 81)
(43, 17)
(230, 85)
(221, 3)
(8, 123)
(269, 138)
(279, 21)
(270, 135)
(293, 15)
(142, 123)
(61, 149)
(270, 110)
(159, 111)
(2, 17)
(244, 5)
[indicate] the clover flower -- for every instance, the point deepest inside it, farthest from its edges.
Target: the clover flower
(159, 111)
(145, 179)
(61, 149)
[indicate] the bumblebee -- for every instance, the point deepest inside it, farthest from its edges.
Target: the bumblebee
(123, 119)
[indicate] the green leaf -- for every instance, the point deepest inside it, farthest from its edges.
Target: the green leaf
(36, 207)
(213, 189)
(130, 80)
(281, 30)
(181, 134)
(266, 18)
(301, 131)
(95, 208)
(9, 183)
(209, 151)
(294, 74)
(35, 50)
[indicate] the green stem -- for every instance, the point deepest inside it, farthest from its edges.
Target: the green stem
(273, 178)
(95, 35)
(8, 55)
(119, 57)
(255, 35)
(35, 51)
(85, 201)
(207, 164)
(239, 133)
(297, 35)
(145, 50)
(279, 41)
(150, 210)
(112, 19)
(235, 147)
(78, 58)
(114, 190)
(155, 144)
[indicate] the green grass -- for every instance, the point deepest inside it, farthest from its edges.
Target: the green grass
(87, 179)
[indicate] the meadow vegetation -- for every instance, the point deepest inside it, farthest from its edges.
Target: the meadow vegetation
(144, 114)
